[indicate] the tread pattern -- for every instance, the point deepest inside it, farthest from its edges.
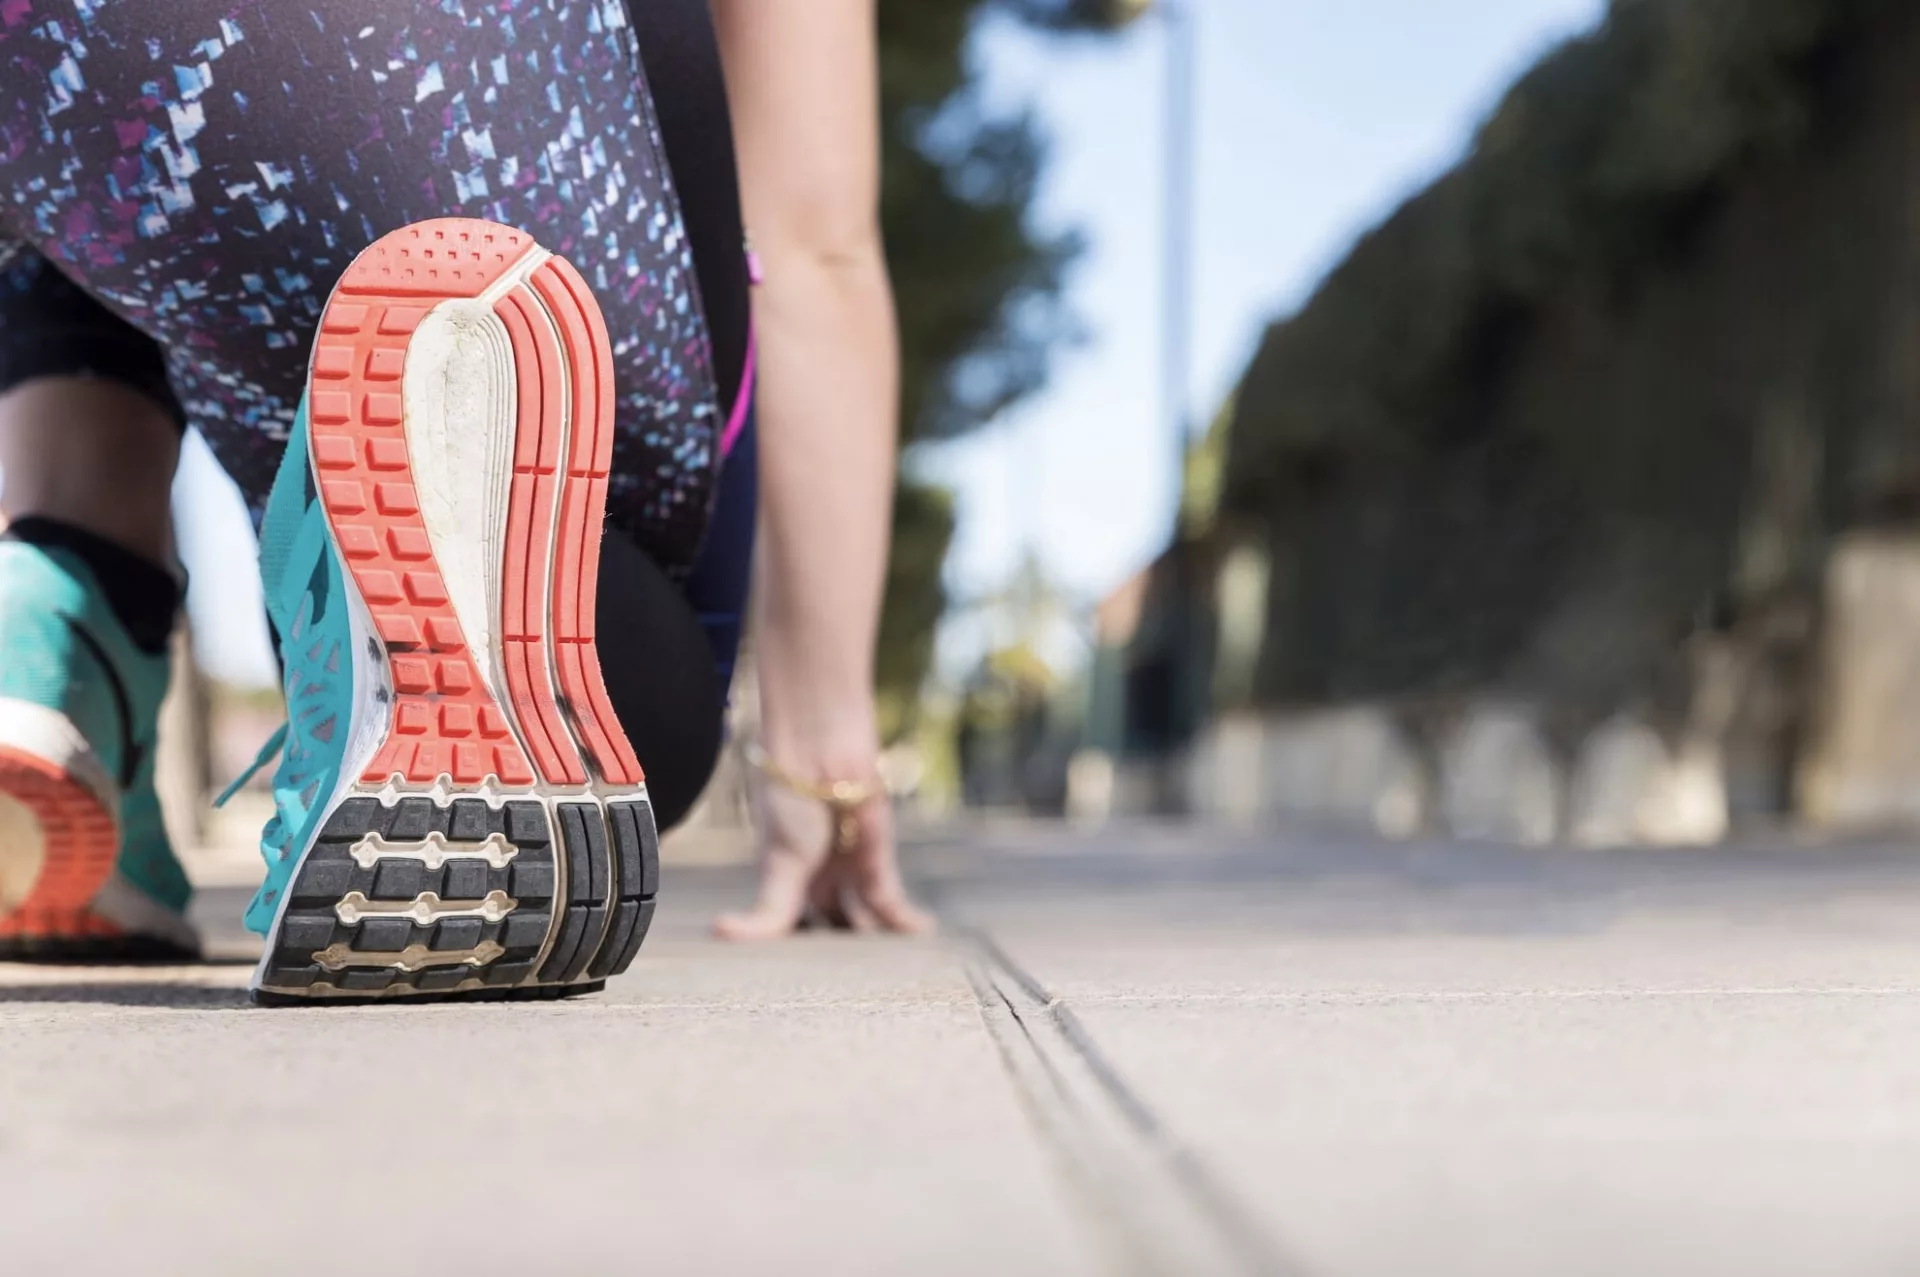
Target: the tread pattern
(636, 865)
(584, 919)
(581, 881)
(81, 844)
(373, 951)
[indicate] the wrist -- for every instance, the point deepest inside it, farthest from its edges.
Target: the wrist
(812, 704)
(820, 738)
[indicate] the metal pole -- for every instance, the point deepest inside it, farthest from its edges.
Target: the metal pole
(1177, 260)
(1176, 374)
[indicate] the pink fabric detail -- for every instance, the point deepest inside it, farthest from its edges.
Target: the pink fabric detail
(756, 274)
(743, 402)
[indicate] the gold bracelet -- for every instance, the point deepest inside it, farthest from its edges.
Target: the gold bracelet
(843, 798)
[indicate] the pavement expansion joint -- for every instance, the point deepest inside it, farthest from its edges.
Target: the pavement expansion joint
(1159, 1208)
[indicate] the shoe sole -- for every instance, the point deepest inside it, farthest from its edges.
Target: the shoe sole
(494, 838)
(113, 949)
(59, 837)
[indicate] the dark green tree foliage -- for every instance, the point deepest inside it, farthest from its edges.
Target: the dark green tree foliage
(978, 292)
(1594, 164)
(1383, 414)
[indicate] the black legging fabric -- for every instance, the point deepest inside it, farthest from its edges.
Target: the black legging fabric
(661, 677)
(181, 184)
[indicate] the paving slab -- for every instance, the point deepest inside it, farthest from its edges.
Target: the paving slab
(1479, 1061)
(1148, 1051)
(820, 1107)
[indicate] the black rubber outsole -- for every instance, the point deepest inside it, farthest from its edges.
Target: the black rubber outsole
(102, 951)
(463, 901)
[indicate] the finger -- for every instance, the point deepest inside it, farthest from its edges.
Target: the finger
(837, 885)
(827, 896)
(880, 888)
(782, 900)
(860, 919)
(895, 911)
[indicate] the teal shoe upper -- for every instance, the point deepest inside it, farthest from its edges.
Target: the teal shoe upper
(307, 601)
(62, 647)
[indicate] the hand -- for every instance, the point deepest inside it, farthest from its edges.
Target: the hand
(802, 876)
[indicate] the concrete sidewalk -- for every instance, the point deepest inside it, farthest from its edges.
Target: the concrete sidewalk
(1153, 1051)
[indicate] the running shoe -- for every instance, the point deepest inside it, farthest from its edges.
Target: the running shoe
(458, 813)
(86, 871)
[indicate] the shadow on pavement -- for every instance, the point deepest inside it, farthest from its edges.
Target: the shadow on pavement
(128, 993)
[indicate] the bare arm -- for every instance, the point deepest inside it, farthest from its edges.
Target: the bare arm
(802, 78)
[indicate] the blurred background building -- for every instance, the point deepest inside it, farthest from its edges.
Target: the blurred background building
(1579, 501)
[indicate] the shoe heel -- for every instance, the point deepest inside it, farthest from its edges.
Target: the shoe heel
(59, 836)
(498, 839)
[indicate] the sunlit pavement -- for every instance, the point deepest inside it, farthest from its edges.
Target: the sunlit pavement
(1139, 1051)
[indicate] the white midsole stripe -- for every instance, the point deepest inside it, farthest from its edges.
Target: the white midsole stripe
(433, 851)
(415, 957)
(424, 909)
(461, 409)
(46, 733)
(139, 914)
(23, 852)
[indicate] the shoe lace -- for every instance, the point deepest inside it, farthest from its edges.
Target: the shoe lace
(293, 742)
(268, 752)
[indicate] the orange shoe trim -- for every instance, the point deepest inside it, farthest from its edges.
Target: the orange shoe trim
(81, 846)
(538, 371)
(583, 513)
(445, 721)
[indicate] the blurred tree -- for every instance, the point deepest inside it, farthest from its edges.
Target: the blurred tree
(923, 522)
(1511, 436)
(979, 292)
(1594, 167)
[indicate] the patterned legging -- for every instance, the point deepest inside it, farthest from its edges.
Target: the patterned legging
(182, 181)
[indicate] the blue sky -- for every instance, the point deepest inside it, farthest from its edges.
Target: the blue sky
(1316, 118)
